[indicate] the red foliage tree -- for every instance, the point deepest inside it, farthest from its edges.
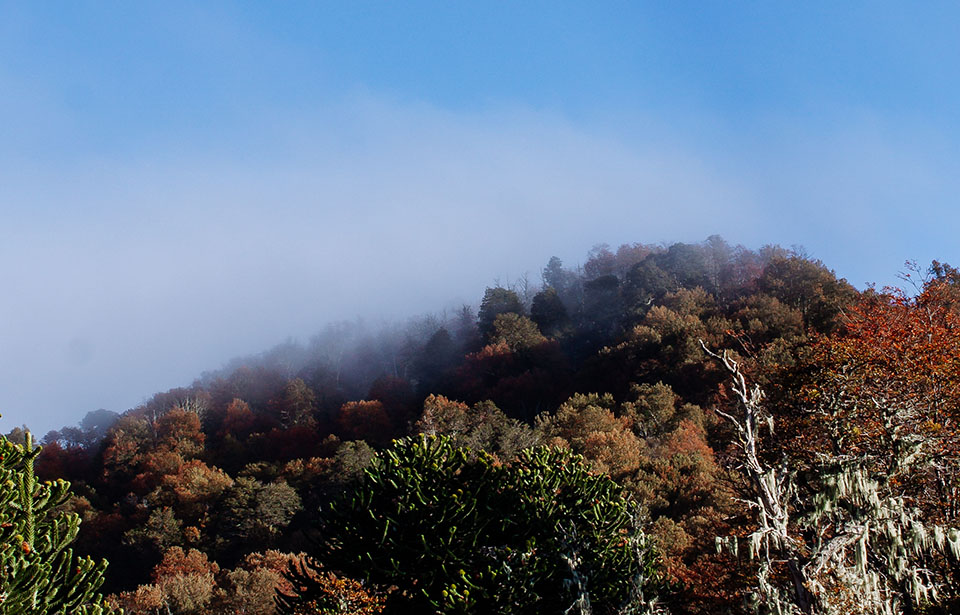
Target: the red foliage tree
(887, 384)
(365, 420)
(397, 397)
(238, 420)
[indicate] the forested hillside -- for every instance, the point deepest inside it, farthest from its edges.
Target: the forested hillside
(693, 428)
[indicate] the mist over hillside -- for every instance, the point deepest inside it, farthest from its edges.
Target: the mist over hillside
(359, 350)
(615, 373)
(627, 308)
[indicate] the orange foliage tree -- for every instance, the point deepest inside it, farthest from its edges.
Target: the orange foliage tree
(887, 388)
(856, 485)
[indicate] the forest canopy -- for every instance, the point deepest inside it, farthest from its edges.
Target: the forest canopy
(685, 428)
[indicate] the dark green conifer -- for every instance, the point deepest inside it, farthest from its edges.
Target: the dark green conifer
(38, 571)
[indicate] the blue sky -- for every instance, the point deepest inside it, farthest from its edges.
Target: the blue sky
(184, 182)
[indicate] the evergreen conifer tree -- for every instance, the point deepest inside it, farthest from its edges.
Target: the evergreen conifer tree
(38, 571)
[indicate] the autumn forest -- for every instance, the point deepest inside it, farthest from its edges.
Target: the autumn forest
(687, 428)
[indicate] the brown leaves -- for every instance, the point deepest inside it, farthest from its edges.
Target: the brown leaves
(365, 420)
(895, 365)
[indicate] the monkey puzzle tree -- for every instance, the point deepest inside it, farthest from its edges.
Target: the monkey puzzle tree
(38, 572)
(456, 531)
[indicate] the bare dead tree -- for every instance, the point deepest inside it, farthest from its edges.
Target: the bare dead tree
(858, 547)
(771, 491)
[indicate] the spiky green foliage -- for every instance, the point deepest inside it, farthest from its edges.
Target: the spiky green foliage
(458, 532)
(38, 572)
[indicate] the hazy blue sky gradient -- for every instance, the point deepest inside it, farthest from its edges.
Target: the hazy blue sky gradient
(181, 183)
